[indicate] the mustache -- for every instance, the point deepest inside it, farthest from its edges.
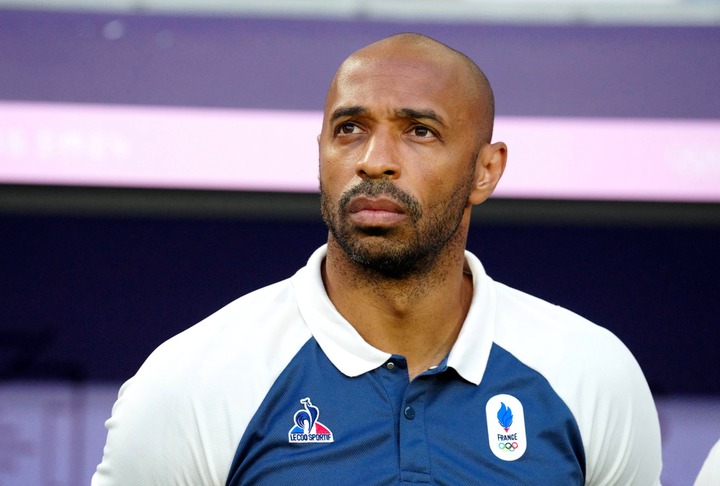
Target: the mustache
(378, 188)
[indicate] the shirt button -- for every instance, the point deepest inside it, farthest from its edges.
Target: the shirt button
(409, 413)
(390, 365)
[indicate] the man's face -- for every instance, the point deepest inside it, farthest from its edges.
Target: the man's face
(397, 159)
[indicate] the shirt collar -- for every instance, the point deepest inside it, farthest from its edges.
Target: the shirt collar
(338, 339)
(470, 353)
(353, 356)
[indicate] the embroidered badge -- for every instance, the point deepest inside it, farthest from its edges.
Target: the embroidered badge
(307, 429)
(506, 427)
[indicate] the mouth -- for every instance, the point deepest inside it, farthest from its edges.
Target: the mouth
(370, 211)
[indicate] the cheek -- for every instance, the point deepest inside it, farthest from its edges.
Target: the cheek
(443, 187)
(330, 158)
(335, 172)
(435, 181)
(332, 178)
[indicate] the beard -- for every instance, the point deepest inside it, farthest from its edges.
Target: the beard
(397, 253)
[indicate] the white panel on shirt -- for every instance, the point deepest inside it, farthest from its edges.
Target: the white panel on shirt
(180, 418)
(598, 379)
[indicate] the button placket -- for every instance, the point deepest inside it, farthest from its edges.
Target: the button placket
(414, 451)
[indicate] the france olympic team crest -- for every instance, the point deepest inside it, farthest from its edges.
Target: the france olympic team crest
(307, 429)
(506, 427)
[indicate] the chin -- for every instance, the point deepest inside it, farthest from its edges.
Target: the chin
(388, 260)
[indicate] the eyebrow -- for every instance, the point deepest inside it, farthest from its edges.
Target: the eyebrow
(419, 115)
(344, 111)
(350, 111)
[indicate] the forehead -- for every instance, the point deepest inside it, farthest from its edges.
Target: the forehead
(391, 79)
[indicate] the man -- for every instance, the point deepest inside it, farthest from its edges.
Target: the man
(391, 357)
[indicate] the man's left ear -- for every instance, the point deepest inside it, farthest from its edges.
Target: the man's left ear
(490, 167)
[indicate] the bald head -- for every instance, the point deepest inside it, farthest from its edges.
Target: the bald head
(468, 85)
(405, 152)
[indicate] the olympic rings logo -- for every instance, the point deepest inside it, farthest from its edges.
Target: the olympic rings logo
(508, 446)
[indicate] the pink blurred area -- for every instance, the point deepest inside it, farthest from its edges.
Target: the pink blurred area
(274, 150)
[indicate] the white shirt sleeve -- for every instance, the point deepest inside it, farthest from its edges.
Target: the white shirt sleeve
(160, 432)
(179, 420)
(598, 379)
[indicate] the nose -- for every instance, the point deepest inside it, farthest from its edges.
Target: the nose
(379, 159)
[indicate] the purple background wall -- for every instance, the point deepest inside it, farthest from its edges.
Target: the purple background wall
(263, 63)
(88, 297)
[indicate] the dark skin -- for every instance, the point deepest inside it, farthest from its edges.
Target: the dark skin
(410, 113)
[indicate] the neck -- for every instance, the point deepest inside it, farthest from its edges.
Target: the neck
(418, 317)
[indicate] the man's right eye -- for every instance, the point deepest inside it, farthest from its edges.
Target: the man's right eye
(346, 129)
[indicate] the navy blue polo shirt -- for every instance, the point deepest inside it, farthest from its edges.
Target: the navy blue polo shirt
(278, 388)
(387, 430)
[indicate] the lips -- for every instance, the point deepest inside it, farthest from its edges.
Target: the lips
(364, 210)
(364, 203)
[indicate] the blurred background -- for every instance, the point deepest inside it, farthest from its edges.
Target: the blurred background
(158, 160)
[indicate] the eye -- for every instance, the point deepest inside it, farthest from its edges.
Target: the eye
(346, 129)
(421, 131)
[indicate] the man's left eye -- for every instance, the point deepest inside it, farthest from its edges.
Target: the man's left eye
(421, 131)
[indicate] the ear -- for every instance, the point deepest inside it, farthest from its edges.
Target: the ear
(490, 167)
